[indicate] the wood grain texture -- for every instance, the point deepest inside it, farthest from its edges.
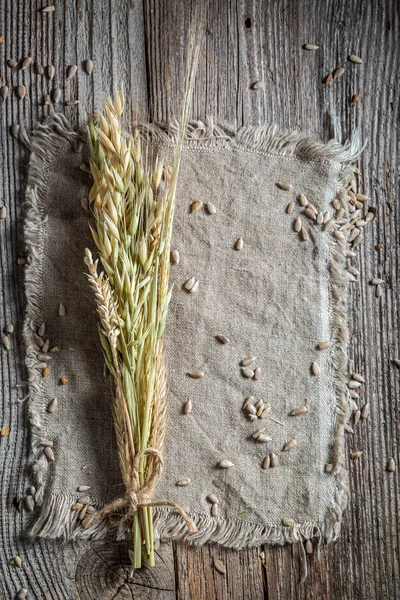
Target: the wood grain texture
(142, 45)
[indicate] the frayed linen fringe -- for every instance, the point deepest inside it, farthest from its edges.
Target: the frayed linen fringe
(56, 520)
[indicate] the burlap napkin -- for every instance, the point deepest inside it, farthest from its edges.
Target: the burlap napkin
(275, 299)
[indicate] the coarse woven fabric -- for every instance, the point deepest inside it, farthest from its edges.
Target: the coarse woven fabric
(275, 299)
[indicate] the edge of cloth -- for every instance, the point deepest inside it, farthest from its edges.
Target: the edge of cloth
(55, 519)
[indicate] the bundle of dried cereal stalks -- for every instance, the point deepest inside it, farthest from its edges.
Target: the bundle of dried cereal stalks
(133, 207)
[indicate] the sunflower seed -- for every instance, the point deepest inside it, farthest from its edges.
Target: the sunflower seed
(61, 310)
(358, 377)
(46, 100)
(49, 9)
(352, 384)
(310, 47)
(195, 206)
(71, 102)
(22, 594)
(71, 70)
(286, 522)
(15, 130)
(49, 453)
(39, 69)
(309, 547)
(365, 411)
(356, 417)
(222, 339)
(52, 407)
(26, 63)
(10, 328)
(45, 346)
(247, 372)
(266, 462)
(266, 410)
(290, 208)
(284, 186)
(257, 373)
(361, 197)
(289, 445)
(297, 225)
(239, 244)
(348, 428)
(259, 403)
(183, 482)
(6, 342)
(225, 464)
(77, 506)
(357, 240)
(329, 468)
(194, 287)
(56, 94)
(21, 91)
(88, 66)
(4, 92)
(189, 284)
(29, 503)
(82, 513)
(16, 560)
(251, 409)
(300, 410)
(354, 405)
(39, 366)
(355, 455)
(85, 500)
(219, 566)
(274, 460)
(338, 235)
(378, 291)
(214, 510)
(303, 200)
(355, 59)
(315, 368)
(187, 407)
(263, 438)
(83, 488)
(46, 443)
(310, 213)
(51, 71)
(391, 465)
(42, 329)
(248, 402)
(323, 345)
(370, 216)
(12, 63)
(175, 258)
(91, 510)
(247, 361)
(304, 234)
(396, 362)
(78, 145)
(338, 72)
(353, 270)
(211, 209)
(212, 499)
(196, 374)
(320, 218)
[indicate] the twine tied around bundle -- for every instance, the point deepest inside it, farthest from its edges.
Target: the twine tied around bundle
(139, 496)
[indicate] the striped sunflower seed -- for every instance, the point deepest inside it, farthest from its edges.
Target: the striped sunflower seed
(338, 72)
(6, 342)
(274, 460)
(46, 443)
(315, 368)
(196, 374)
(263, 438)
(353, 384)
(358, 377)
(222, 339)
(311, 214)
(284, 186)
(356, 417)
(338, 234)
(362, 197)
(251, 409)
(289, 445)
(183, 482)
(196, 206)
(247, 372)
(300, 410)
(225, 464)
(51, 71)
(327, 218)
(391, 465)
(239, 244)
(320, 218)
(16, 560)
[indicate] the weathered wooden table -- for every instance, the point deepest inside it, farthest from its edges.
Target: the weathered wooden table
(141, 44)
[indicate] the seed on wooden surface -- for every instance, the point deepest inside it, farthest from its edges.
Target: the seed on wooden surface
(211, 209)
(46, 100)
(71, 102)
(362, 197)
(196, 374)
(315, 368)
(21, 91)
(3, 92)
(297, 225)
(53, 406)
(355, 59)
(370, 216)
(77, 506)
(378, 291)
(391, 465)
(29, 503)
(56, 94)
(26, 63)
(61, 310)
(187, 407)
(225, 464)
(239, 244)
(6, 342)
(49, 453)
(300, 410)
(49, 9)
(329, 468)
(348, 428)
(358, 377)
(214, 510)
(289, 445)
(310, 213)
(51, 71)
(257, 373)
(71, 70)
(78, 145)
(356, 455)
(274, 460)
(83, 488)
(320, 218)
(284, 186)
(310, 47)
(365, 411)
(357, 416)
(266, 462)
(303, 200)
(352, 384)
(183, 482)
(175, 258)
(64, 381)
(247, 361)
(338, 72)
(287, 522)
(309, 547)
(219, 566)
(290, 208)
(22, 594)
(194, 287)
(88, 66)
(328, 78)
(16, 560)
(212, 499)
(39, 69)
(15, 130)
(247, 372)
(12, 63)
(323, 345)
(222, 339)
(260, 411)
(258, 85)
(304, 234)
(189, 284)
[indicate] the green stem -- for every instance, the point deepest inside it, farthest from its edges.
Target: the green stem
(137, 542)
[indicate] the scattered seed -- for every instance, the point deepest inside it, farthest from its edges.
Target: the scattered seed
(45, 346)
(354, 405)
(175, 258)
(64, 381)
(194, 287)
(71, 70)
(290, 208)
(257, 373)
(300, 410)
(71, 102)
(212, 499)
(361, 197)
(225, 464)
(82, 513)
(46, 100)
(355, 59)
(77, 506)
(310, 47)
(16, 560)
(29, 503)
(297, 225)
(222, 339)
(12, 63)
(338, 72)
(274, 460)
(247, 361)
(214, 510)
(49, 453)
(266, 462)
(289, 445)
(365, 411)
(370, 216)
(10, 328)
(53, 406)
(83, 488)
(211, 209)
(88, 66)
(4, 431)
(26, 63)
(310, 213)
(357, 416)
(78, 145)
(196, 374)
(358, 377)
(357, 240)
(85, 500)
(286, 522)
(39, 366)
(219, 566)
(21, 91)
(304, 234)
(315, 368)
(348, 428)
(258, 85)
(263, 438)
(251, 409)
(56, 348)
(320, 218)
(329, 468)
(183, 482)
(56, 94)
(51, 71)
(61, 310)
(355, 98)
(323, 345)
(189, 284)
(328, 78)
(247, 372)
(91, 510)
(352, 384)
(46, 372)
(338, 234)
(378, 291)
(391, 465)
(309, 547)
(3, 92)
(356, 455)
(195, 206)
(46, 443)
(239, 244)
(284, 186)
(49, 9)
(22, 594)
(39, 69)
(266, 410)
(6, 342)
(187, 407)
(303, 200)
